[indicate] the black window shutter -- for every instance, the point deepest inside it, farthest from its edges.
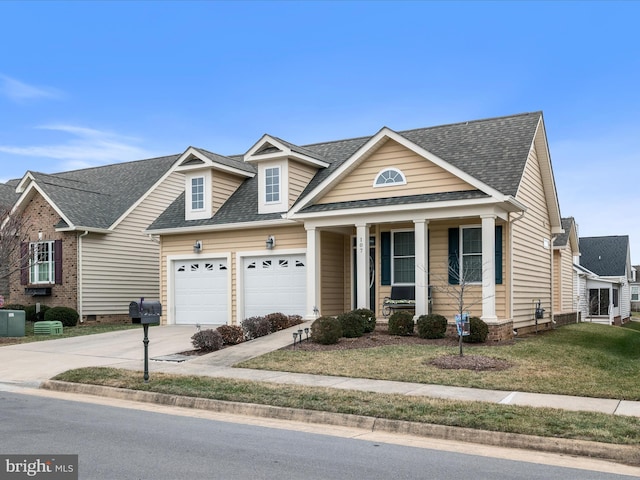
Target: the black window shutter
(385, 258)
(498, 254)
(454, 255)
(57, 255)
(24, 263)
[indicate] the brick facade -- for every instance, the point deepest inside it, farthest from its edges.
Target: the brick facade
(502, 332)
(42, 217)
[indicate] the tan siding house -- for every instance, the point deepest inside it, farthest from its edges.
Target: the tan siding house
(89, 229)
(328, 227)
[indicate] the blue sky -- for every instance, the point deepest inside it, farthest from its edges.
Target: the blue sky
(90, 83)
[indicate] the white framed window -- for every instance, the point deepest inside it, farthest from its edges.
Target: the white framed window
(403, 257)
(471, 254)
(635, 293)
(389, 177)
(41, 262)
(197, 193)
(272, 184)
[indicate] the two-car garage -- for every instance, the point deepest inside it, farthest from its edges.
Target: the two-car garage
(266, 284)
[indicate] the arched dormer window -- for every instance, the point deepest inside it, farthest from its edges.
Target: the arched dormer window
(388, 177)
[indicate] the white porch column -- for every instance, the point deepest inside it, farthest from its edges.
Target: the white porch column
(422, 266)
(362, 265)
(313, 273)
(489, 268)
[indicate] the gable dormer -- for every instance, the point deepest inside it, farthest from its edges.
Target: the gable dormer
(210, 179)
(284, 170)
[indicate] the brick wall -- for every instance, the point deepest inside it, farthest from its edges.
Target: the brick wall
(566, 318)
(42, 218)
(498, 333)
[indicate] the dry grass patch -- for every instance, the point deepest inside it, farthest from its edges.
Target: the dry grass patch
(582, 359)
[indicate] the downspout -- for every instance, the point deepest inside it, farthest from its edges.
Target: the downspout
(551, 307)
(79, 274)
(511, 222)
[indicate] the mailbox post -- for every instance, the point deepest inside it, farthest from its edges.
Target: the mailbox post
(147, 313)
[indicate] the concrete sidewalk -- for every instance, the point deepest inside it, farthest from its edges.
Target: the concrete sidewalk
(30, 364)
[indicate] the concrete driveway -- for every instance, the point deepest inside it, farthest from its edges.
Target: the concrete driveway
(32, 363)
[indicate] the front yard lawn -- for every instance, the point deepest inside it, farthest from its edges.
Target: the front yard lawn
(583, 359)
(78, 330)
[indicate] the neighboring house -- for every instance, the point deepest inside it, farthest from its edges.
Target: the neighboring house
(324, 228)
(87, 248)
(605, 265)
(8, 197)
(635, 288)
(565, 249)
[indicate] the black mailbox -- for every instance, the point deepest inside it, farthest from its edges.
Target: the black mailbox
(145, 312)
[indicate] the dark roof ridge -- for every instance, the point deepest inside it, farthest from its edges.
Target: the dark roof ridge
(538, 112)
(113, 164)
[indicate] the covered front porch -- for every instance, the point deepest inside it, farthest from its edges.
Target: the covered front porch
(356, 264)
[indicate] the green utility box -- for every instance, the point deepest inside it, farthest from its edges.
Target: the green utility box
(12, 323)
(47, 328)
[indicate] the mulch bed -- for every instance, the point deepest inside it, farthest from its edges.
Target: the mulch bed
(381, 337)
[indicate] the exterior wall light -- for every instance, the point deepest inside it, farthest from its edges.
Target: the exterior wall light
(197, 247)
(271, 242)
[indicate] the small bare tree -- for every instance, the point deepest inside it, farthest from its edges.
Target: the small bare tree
(456, 286)
(14, 232)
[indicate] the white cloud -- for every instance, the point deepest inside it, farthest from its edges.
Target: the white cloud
(18, 91)
(88, 147)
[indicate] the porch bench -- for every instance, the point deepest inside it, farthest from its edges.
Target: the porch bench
(402, 298)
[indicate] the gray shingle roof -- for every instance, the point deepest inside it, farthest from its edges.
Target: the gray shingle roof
(494, 150)
(233, 162)
(8, 195)
(562, 239)
(408, 200)
(605, 256)
(97, 197)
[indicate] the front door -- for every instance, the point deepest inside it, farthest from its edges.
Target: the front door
(372, 273)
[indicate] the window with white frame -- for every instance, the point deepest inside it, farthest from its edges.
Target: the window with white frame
(272, 184)
(388, 177)
(403, 258)
(635, 293)
(471, 254)
(197, 193)
(41, 262)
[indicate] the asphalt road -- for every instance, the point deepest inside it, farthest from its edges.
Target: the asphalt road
(115, 443)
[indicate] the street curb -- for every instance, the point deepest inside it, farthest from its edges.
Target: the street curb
(625, 454)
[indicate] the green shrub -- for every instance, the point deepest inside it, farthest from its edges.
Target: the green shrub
(255, 327)
(432, 326)
(326, 330)
(231, 334)
(30, 313)
(401, 323)
(479, 331)
(207, 340)
(368, 318)
(352, 324)
(68, 316)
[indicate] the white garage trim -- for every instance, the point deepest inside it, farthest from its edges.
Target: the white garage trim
(171, 281)
(240, 256)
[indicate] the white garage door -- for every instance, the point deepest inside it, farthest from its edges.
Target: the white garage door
(274, 284)
(201, 288)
